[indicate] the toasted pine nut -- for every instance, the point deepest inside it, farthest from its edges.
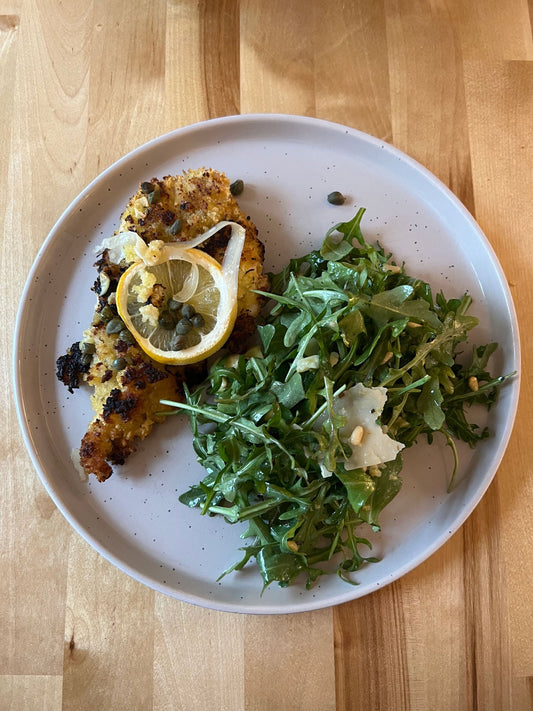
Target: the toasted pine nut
(388, 355)
(357, 436)
(473, 383)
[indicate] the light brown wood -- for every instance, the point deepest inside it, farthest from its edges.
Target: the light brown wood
(295, 668)
(205, 669)
(503, 180)
(82, 83)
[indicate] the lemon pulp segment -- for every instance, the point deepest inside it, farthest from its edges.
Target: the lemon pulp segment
(147, 295)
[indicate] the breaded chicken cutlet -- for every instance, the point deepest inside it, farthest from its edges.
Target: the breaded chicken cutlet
(128, 384)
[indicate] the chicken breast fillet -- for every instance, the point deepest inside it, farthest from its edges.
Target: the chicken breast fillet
(128, 385)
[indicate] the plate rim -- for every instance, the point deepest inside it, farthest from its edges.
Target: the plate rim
(251, 608)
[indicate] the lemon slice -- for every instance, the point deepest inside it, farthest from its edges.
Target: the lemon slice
(179, 303)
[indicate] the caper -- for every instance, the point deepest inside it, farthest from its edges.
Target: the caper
(126, 336)
(193, 339)
(87, 347)
(153, 196)
(86, 359)
(114, 326)
(174, 306)
(147, 187)
(236, 187)
(107, 313)
(183, 326)
(178, 343)
(166, 320)
(336, 198)
(197, 320)
(119, 364)
(175, 227)
(188, 311)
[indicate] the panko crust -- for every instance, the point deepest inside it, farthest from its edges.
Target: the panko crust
(126, 400)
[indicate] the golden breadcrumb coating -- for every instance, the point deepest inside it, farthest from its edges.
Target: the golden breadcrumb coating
(128, 385)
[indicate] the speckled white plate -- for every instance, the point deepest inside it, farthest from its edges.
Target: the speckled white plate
(289, 164)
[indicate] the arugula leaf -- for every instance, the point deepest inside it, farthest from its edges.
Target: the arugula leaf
(278, 566)
(396, 304)
(334, 249)
(275, 454)
(359, 487)
(291, 392)
(429, 404)
(387, 484)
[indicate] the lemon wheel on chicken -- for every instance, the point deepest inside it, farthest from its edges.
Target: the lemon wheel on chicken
(181, 307)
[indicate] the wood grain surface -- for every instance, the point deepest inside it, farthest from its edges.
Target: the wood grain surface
(82, 82)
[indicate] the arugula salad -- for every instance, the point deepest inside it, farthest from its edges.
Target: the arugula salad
(301, 438)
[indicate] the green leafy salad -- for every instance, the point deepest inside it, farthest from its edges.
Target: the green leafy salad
(302, 437)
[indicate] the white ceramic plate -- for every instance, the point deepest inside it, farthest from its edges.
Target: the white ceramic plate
(289, 165)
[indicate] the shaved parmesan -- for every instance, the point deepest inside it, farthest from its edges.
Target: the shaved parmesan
(370, 445)
(362, 407)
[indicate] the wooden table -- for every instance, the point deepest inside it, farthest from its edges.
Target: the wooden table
(84, 82)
